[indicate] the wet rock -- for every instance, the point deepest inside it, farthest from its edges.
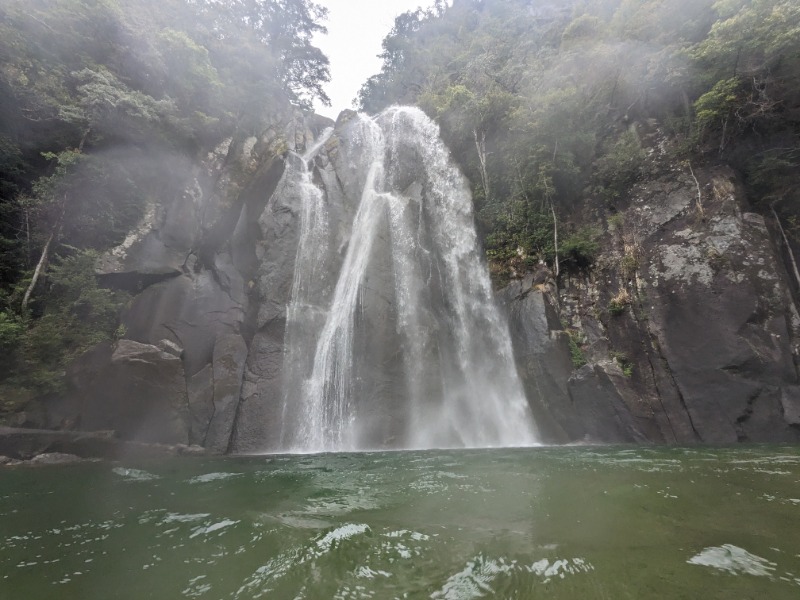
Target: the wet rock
(607, 408)
(54, 458)
(230, 354)
(722, 315)
(708, 328)
(190, 311)
(790, 401)
(541, 349)
(200, 392)
(139, 391)
(24, 444)
(170, 348)
(159, 246)
(258, 423)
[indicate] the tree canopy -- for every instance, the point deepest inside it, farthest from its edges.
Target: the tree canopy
(536, 99)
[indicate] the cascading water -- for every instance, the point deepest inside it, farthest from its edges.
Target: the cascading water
(447, 378)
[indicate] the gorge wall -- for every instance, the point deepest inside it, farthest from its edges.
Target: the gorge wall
(684, 331)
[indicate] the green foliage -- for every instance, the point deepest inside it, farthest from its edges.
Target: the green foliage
(616, 222)
(78, 315)
(11, 330)
(748, 80)
(628, 265)
(580, 249)
(616, 309)
(191, 79)
(583, 28)
(621, 166)
(624, 363)
(716, 106)
(111, 108)
(576, 340)
(619, 303)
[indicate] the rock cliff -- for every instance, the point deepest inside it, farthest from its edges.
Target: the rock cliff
(686, 322)
(684, 331)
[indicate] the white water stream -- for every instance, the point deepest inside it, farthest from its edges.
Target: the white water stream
(459, 383)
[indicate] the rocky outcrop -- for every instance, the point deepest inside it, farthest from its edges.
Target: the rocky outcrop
(210, 267)
(686, 319)
(683, 331)
(137, 390)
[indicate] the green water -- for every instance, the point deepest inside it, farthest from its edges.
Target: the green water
(573, 523)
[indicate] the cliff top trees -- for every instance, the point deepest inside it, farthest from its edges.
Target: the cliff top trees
(535, 99)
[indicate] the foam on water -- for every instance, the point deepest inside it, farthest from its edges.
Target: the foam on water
(209, 477)
(734, 560)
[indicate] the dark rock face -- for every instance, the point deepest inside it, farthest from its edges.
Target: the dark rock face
(138, 390)
(200, 391)
(608, 410)
(230, 353)
(191, 310)
(690, 327)
(541, 348)
(24, 444)
(260, 408)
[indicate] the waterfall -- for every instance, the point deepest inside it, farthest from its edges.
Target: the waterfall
(432, 366)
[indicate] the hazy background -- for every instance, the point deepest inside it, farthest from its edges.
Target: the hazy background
(356, 29)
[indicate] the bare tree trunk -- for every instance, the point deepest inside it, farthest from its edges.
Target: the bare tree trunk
(724, 133)
(27, 237)
(45, 253)
(83, 138)
(555, 235)
(700, 208)
(480, 145)
(614, 92)
(788, 246)
(42, 260)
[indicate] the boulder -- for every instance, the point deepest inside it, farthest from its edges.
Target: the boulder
(138, 390)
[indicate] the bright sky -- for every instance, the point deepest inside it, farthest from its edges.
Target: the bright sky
(356, 29)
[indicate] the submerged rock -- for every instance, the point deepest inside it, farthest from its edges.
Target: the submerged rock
(54, 458)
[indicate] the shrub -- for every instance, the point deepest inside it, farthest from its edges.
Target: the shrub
(77, 315)
(11, 333)
(581, 248)
(616, 221)
(618, 303)
(628, 265)
(624, 363)
(621, 166)
(576, 340)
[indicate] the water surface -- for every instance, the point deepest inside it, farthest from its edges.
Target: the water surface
(556, 523)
